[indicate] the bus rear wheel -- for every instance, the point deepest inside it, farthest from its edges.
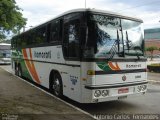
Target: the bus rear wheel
(16, 70)
(56, 85)
(19, 71)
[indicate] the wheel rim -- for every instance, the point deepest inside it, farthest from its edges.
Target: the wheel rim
(56, 86)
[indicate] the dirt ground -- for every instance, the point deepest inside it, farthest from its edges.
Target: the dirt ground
(19, 100)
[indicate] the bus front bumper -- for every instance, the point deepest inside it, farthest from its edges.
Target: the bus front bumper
(115, 92)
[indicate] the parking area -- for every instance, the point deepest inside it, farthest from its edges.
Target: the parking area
(155, 60)
(26, 101)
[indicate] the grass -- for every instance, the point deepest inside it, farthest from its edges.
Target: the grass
(155, 64)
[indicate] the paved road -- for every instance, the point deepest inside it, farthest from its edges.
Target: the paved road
(155, 60)
(145, 104)
(18, 97)
(154, 76)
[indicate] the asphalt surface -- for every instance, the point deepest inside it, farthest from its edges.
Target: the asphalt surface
(30, 100)
(144, 104)
(19, 100)
(154, 76)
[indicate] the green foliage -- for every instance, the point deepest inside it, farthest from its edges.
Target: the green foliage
(155, 64)
(11, 19)
(151, 49)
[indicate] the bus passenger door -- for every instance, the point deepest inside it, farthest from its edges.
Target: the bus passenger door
(71, 45)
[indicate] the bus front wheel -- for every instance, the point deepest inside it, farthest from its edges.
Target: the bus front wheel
(56, 85)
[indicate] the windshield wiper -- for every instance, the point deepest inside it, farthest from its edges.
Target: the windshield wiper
(127, 41)
(118, 41)
(123, 53)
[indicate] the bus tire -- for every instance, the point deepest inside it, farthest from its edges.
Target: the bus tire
(19, 71)
(56, 86)
(16, 70)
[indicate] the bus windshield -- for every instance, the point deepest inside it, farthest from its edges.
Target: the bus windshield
(110, 36)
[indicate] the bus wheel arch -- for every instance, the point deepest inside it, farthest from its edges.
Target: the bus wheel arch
(55, 83)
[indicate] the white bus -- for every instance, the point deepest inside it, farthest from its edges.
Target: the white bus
(5, 53)
(87, 55)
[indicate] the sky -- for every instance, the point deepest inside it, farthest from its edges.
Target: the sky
(39, 11)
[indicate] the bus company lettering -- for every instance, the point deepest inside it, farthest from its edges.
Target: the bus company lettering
(42, 54)
(133, 66)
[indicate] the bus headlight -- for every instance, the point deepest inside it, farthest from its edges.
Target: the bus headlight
(105, 93)
(90, 72)
(97, 93)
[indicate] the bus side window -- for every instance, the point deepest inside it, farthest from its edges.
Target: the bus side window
(72, 38)
(55, 32)
(24, 41)
(28, 38)
(40, 35)
(19, 42)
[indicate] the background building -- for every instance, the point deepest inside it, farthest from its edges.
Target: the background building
(152, 38)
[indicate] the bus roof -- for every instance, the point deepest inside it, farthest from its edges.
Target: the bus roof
(96, 11)
(104, 12)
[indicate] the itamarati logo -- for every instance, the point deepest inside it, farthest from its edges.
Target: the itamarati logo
(105, 66)
(42, 54)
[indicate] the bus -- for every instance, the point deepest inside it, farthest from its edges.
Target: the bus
(87, 55)
(5, 53)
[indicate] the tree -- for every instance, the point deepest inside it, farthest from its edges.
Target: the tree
(151, 49)
(11, 19)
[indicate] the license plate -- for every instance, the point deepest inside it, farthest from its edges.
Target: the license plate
(123, 90)
(122, 97)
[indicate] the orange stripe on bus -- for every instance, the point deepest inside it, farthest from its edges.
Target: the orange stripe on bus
(31, 66)
(112, 66)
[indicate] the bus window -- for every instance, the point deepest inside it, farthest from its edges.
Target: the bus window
(19, 41)
(40, 35)
(28, 38)
(55, 29)
(72, 38)
(24, 41)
